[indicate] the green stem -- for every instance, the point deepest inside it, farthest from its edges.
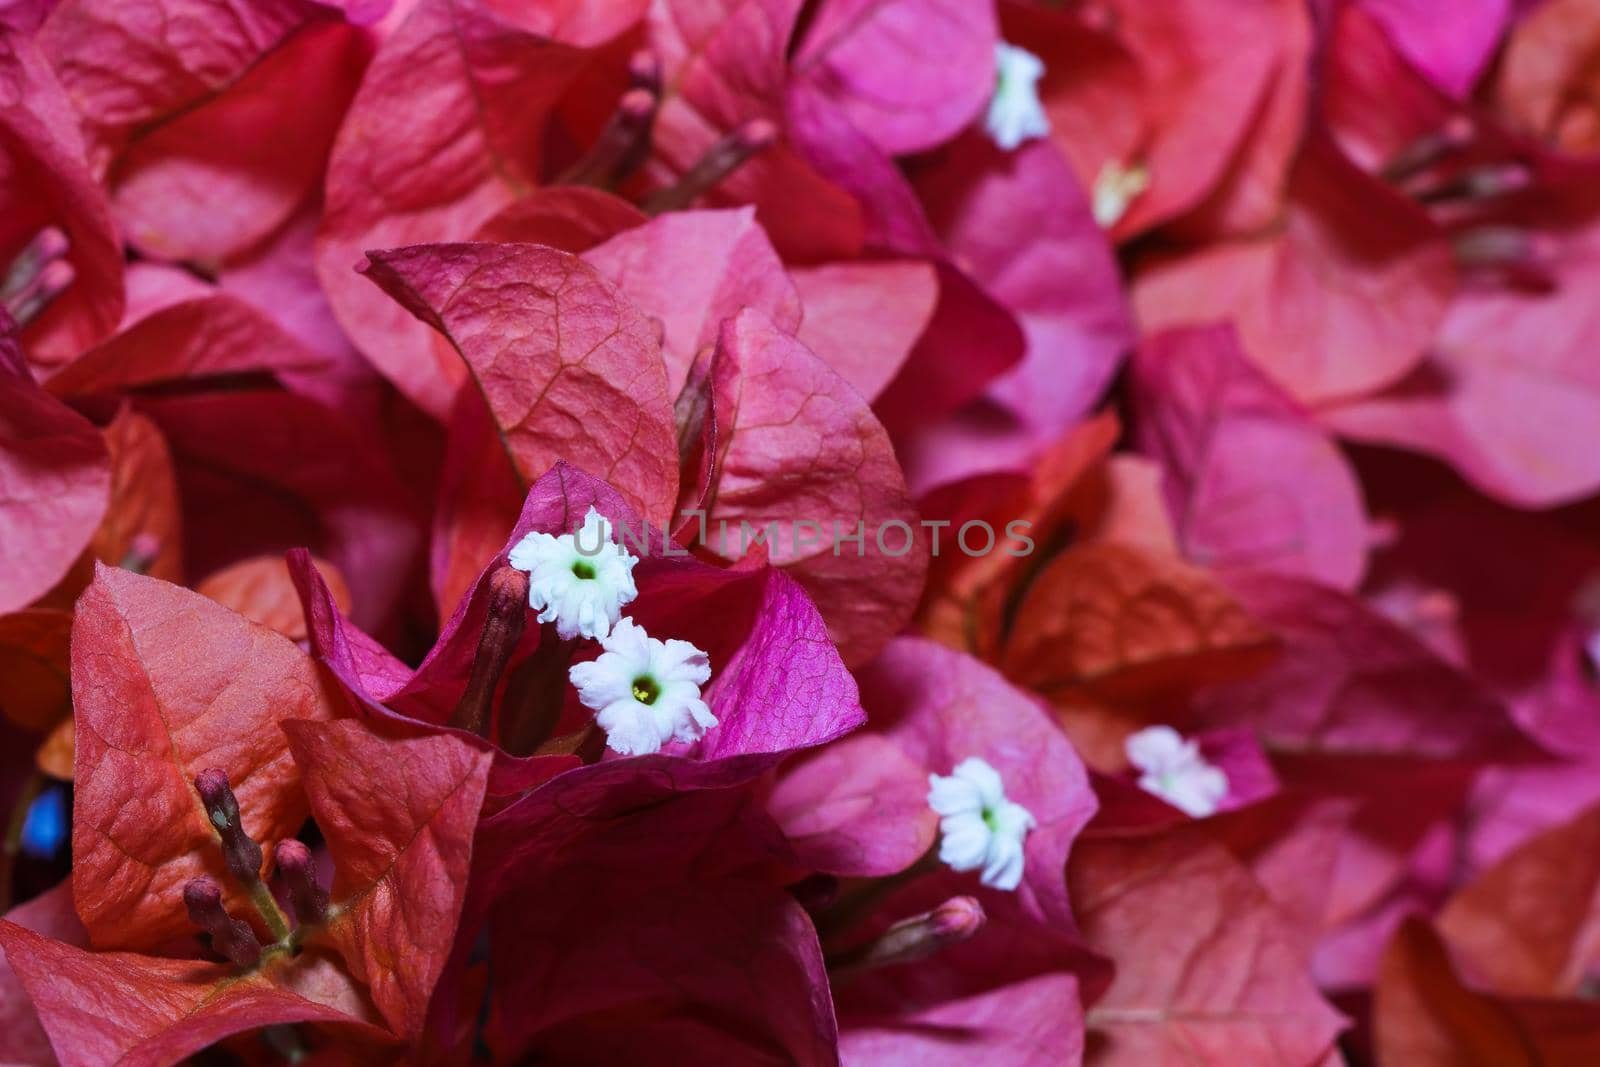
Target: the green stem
(271, 914)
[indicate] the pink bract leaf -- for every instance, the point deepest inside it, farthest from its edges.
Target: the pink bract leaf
(47, 180)
(1349, 681)
(166, 684)
(484, 79)
(940, 707)
(970, 342)
(800, 446)
(571, 370)
(1504, 352)
(858, 807)
(725, 63)
(1303, 296)
(399, 817)
(1207, 969)
(1250, 478)
(1021, 225)
(693, 269)
(1452, 52)
(55, 482)
(907, 73)
(862, 318)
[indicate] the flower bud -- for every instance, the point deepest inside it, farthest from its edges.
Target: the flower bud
(239, 852)
(299, 874)
(230, 937)
(502, 629)
(956, 920)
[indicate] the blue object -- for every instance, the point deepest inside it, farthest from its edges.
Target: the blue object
(45, 828)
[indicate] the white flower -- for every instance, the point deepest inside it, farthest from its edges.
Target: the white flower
(1015, 114)
(1115, 188)
(580, 581)
(645, 692)
(978, 826)
(1174, 770)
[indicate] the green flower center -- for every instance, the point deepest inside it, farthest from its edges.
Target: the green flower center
(992, 820)
(646, 689)
(583, 569)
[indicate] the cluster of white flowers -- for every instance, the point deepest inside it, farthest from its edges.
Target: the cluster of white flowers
(644, 692)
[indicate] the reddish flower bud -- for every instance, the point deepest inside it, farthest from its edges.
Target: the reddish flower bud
(299, 874)
(644, 71)
(956, 920)
(502, 629)
(230, 937)
(719, 161)
(239, 852)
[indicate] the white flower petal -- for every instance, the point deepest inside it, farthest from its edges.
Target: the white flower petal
(979, 828)
(1015, 114)
(578, 581)
(675, 669)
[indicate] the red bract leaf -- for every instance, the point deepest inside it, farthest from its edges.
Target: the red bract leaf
(399, 816)
(142, 528)
(1207, 970)
(626, 975)
(571, 370)
(204, 337)
(1303, 296)
(142, 1011)
(573, 218)
(1530, 925)
(23, 1042)
(437, 170)
(1351, 682)
(1122, 622)
(967, 596)
(1426, 1017)
(970, 342)
(262, 471)
(693, 269)
(1547, 57)
(724, 63)
(1250, 479)
(213, 181)
(33, 661)
(480, 493)
(262, 590)
(800, 446)
(907, 73)
(862, 318)
(46, 180)
(1022, 227)
(165, 685)
(55, 482)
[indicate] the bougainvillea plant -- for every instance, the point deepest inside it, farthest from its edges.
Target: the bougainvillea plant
(894, 533)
